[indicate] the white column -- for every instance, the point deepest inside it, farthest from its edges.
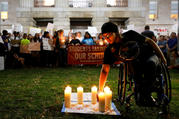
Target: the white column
(58, 3)
(26, 3)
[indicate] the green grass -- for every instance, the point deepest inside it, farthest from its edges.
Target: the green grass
(38, 93)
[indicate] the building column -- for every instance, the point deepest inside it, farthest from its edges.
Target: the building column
(134, 3)
(26, 3)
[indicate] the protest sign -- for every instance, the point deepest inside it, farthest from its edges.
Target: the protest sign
(34, 46)
(33, 30)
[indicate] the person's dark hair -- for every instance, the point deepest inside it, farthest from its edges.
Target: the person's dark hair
(24, 35)
(4, 32)
(88, 34)
(99, 35)
(60, 31)
(45, 34)
(109, 27)
(147, 27)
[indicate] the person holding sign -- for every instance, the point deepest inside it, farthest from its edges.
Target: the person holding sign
(47, 46)
(24, 49)
(144, 61)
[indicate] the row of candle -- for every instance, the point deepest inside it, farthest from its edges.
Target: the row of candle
(105, 98)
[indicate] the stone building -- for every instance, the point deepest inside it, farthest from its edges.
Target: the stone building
(79, 14)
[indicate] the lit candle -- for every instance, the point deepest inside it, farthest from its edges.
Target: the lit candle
(101, 102)
(93, 94)
(80, 95)
(106, 89)
(100, 42)
(67, 96)
(108, 99)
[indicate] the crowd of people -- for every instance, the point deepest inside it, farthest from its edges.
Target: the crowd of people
(53, 49)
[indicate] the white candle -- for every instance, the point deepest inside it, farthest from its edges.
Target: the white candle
(80, 95)
(108, 99)
(101, 102)
(67, 96)
(106, 89)
(93, 94)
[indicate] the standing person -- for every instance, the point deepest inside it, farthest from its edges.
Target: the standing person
(35, 55)
(144, 62)
(172, 49)
(162, 43)
(78, 36)
(47, 45)
(75, 41)
(26, 54)
(2, 54)
(60, 48)
(15, 43)
(88, 40)
(148, 33)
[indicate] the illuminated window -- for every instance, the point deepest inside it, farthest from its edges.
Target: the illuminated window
(4, 15)
(4, 10)
(80, 3)
(117, 3)
(153, 9)
(44, 3)
(174, 9)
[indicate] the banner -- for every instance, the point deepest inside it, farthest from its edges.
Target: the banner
(85, 54)
(34, 46)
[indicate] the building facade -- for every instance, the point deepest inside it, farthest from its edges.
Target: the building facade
(79, 14)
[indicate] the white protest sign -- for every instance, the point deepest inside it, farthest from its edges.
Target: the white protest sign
(130, 27)
(92, 30)
(50, 28)
(33, 30)
(18, 28)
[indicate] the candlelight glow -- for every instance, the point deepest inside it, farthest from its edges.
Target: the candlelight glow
(4, 15)
(152, 16)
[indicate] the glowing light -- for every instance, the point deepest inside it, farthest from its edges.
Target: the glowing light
(174, 16)
(152, 16)
(111, 2)
(49, 2)
(4, 15)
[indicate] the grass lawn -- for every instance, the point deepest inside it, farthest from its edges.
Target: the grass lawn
(38, 93)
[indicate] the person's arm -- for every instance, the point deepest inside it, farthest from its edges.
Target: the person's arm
(103, 76)
(156, 48)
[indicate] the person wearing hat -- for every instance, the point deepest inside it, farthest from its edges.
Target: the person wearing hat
(139, 50)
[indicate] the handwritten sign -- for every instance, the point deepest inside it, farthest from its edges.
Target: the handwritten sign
(34, 46)
(33, 30)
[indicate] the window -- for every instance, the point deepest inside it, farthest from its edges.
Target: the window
(44, 3)
(4, 10)
(117, 3)
(152, 9)
(42, 22)
(121, 22)
(80, 3)
(174, 9)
